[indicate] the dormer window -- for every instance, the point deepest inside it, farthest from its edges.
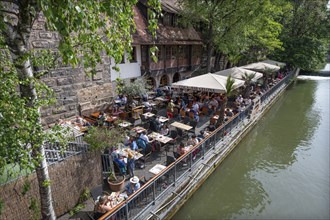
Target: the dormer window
(167, 19)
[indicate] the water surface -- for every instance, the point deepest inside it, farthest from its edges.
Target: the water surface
(280, 170)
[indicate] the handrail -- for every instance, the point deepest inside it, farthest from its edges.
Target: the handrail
(153, 182)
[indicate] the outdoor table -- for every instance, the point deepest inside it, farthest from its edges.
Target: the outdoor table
(95, 115)
(116, 198)
(181, 126)
(216, 117)
(124, 152)
(148, 114)
(125, 124)
(138, 129)
(157, 169)
(163, 119)
(161, 99)
(161, 138)
(111, 119)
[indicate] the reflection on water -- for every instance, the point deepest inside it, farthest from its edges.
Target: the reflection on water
(281, 168)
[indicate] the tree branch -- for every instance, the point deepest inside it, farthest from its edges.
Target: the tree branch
(9, 12)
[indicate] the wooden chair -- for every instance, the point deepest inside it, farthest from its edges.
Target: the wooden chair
(123, 115)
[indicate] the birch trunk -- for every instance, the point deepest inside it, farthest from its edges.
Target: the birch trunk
(17, 34)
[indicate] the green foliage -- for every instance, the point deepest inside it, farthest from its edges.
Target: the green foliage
(305, 34)
(85, 195)
(88, 31)
(26, 187)
(76, 209)
(1, 206)
(229, 86)
(132, 89)
(34, 207)
(235, 27)
(100, 138)
(112, 176)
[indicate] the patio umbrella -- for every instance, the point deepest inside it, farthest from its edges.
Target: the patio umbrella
(274, 62)
(239, 73)
(207, 82)
(261, 67)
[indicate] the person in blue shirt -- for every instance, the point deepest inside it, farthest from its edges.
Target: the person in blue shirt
(134, 145)
(133, 185)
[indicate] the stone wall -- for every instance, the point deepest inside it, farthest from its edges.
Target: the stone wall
(68, 178)
(76, 92)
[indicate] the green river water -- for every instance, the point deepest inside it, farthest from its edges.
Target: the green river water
(280, 170)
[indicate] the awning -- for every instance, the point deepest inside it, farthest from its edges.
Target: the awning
(207, 82)
(239, 73)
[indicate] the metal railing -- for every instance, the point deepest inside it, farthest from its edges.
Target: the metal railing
(54, 152)
(146, 196)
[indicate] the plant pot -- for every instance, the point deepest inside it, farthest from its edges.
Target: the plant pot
(118, 185)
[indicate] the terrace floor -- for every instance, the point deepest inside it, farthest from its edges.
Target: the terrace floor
(144, 174)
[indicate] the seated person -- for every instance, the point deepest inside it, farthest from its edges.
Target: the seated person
(211, 127)
(133, 185)
(193, 141)
(123, 100)
(154, 125)
(81, 121)
(121, 164)
(134, 145)
(181, 149)
(144, 137)
(127, 141)
(147, 106)
(103, 204)
(165, 130)
(201, 136)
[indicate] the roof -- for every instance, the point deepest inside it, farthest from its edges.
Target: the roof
(171, 6)
(165, 34)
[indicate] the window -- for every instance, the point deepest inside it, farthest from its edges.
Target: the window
(160, 53)
(133, 58)
(174, 51)
(168, 52)
(122, 59)
(167, 19)
(144, 53)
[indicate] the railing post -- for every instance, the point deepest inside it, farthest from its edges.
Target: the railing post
(126, 211)
(174, 174)
(154, 192)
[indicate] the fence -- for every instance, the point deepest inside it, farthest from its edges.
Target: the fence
(154, 189)
(55, 153)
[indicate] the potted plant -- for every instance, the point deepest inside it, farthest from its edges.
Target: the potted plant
(116, 184)
(100, 139)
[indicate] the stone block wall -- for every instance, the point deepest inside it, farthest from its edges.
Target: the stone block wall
(76, 93)
(69, 178)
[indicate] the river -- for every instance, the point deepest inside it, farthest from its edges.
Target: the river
(280, 170)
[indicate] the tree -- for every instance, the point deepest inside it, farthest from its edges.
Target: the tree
(233, 27)
(305, 34)
(229, 91)
(131, 89)
(248, 82)
(87, 29)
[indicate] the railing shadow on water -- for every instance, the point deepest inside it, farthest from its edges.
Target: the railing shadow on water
(146, 196)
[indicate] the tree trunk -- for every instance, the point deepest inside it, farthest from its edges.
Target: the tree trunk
(222, 109)
(17, 39)
(209, 48)
(47, 209)
(29, 91)
(217, 61)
